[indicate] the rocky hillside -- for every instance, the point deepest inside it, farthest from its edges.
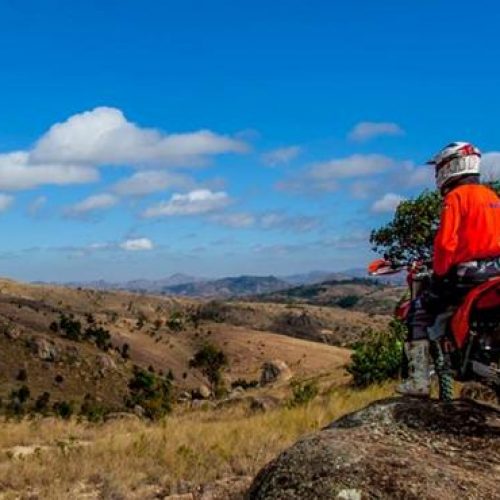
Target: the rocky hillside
(228, 287)
(79, 343)
(400, 448)
(358, 294)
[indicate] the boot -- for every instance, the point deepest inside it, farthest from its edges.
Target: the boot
(418, 381)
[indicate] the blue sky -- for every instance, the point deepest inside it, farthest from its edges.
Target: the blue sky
(139, 139)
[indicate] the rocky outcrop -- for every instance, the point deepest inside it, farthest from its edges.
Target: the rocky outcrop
(396, 448)
(275, 371)
(44, 349)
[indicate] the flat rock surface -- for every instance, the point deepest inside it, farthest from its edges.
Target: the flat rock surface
(395, 448)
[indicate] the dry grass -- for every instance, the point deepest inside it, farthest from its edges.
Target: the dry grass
(121, 457)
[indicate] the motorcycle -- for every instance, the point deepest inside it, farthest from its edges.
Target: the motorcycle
(465, 340)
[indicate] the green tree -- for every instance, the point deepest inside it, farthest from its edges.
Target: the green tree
(211, 361)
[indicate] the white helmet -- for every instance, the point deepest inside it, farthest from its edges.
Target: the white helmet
(455, 160)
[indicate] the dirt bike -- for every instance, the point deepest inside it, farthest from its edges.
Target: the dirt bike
(464, 341)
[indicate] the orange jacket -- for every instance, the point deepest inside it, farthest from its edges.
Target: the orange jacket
(469, 228)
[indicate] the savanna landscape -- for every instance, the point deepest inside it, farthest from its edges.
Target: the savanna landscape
(77, 426)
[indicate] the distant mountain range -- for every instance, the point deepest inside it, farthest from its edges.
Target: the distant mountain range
(238, 286)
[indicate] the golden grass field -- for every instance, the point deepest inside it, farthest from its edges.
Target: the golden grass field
(135, 459)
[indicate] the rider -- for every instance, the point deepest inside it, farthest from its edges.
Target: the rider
(466, 251)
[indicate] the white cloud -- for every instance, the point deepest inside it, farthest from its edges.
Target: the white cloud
(200, 201)
(91, 204)
(281, 155)
(368, 130)
(490, 166)
(137, 245)
(103, 136)
(388, 203)
(5, 201)
(151, 181)
(324, 176)
(236, 220)
(17, 173)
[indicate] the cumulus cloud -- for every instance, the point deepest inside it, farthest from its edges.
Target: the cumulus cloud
(151, 181)
(17, 173)
(364, 131)
(325, 176)
(92, 204)
(5, 201)
(103, 136)
(200, 201)
(137, 245)
(388, 203)
(281, 156)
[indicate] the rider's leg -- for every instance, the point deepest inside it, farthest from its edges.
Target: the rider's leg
(418, 381)
(417, 352)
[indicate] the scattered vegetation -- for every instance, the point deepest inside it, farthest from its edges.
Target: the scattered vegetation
(378, 357)
(194, 448)
(151, 393)
(303, 392)
(72, 329)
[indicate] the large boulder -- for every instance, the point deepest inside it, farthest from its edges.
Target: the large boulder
(44, 349)
(275, 371)
(396, 448)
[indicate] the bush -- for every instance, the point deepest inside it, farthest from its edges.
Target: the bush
(378, 356)
(100, 336)
(125, 351)
(176, 321)
(303, 392)
(17, 400)
(348, 301)
(63, 409)
(42, 403)
(211, 361)
(72, 328)
(92, 409)
(150, 392)
(22, 376)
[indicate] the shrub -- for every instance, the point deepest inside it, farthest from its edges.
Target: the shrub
(54, 327)
(17, 400)
(303, 392)
(72, 328)
(92, 409)
(150, 392)
(176, 321)
(22, 376)
(100, 336)
(211, 361)
(378, 356)
(348, 301)
(42, 403)
(63, 409)
(125, 351)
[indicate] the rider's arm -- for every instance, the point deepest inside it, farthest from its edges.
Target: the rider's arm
(446, 239)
